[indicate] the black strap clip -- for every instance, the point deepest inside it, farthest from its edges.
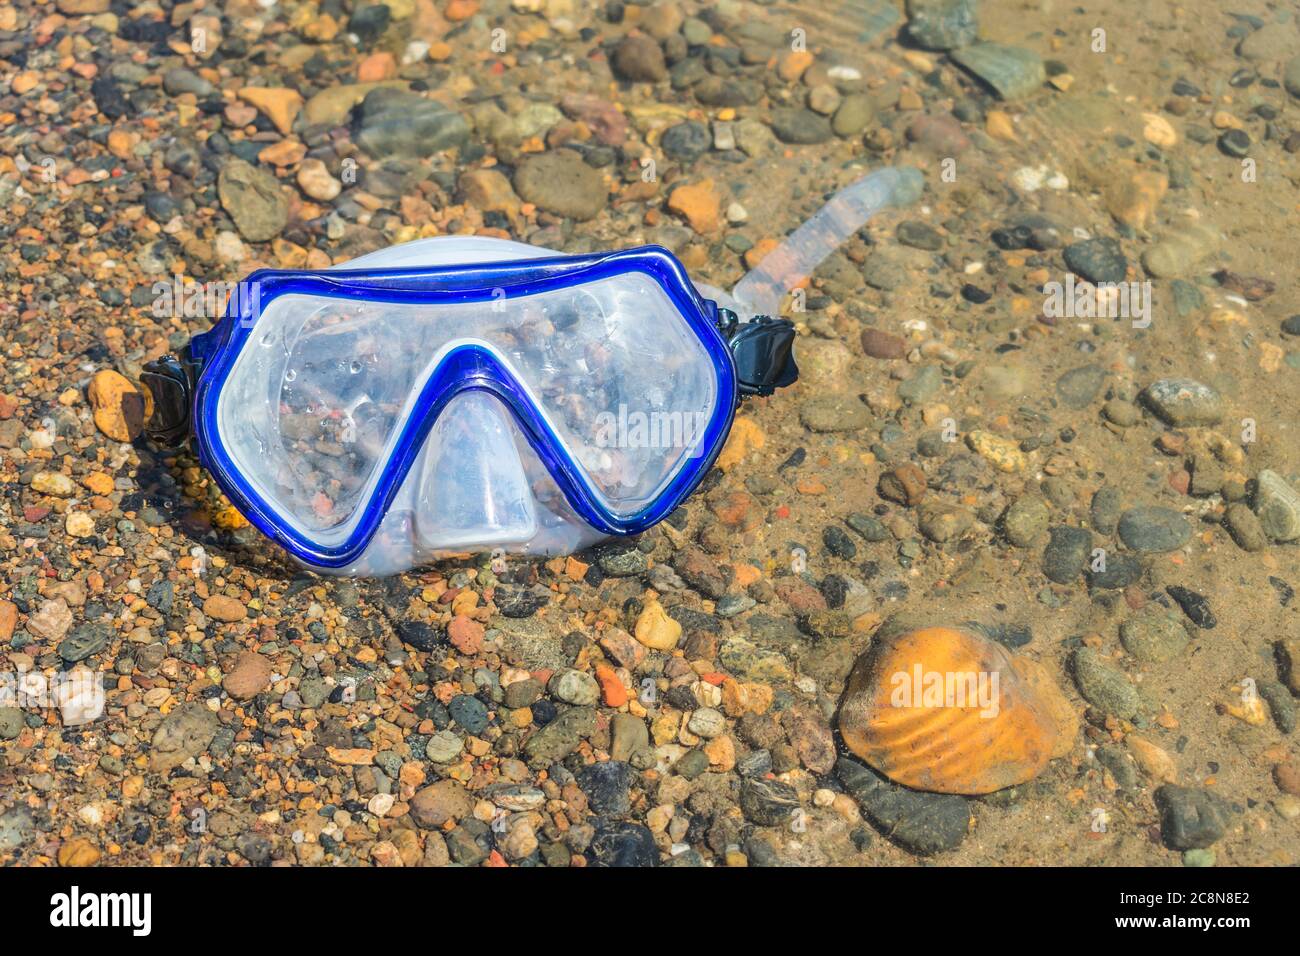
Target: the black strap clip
(170, 381)
(763, 350)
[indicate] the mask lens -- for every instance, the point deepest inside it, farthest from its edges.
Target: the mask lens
(313, 405)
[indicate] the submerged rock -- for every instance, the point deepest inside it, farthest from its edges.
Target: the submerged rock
(1013, 72)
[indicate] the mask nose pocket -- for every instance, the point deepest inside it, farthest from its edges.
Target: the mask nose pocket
(473, 490)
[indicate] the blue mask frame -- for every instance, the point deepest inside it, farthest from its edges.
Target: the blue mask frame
(464, 368)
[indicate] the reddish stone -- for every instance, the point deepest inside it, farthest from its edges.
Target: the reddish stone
(465, 634)
(882, 345)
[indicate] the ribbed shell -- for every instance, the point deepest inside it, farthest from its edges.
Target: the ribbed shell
(950, 749)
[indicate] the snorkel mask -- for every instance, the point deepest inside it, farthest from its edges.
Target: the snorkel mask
(466, 394)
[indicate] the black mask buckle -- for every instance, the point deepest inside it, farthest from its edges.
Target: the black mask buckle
(170, 381)
(763, 350)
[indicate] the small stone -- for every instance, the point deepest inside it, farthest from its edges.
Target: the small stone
(118, 406)
(79, 524)
(576, 687)
(1119, 572)
(1277, 506)
(1245, 528)
(1012, 72)
(86, 640)
(1151, 529)
(315, 181)
(395, 123)
(941, 134)
(220, 607)
(1291, 76)
(800, 127)
(655, 629)
(1178, 253)
(1155, 761)
(54, 483)
(440, 803)
(1078, 387)
(444, 747)
(184, 733)
(1105, 508)
(560, 182)
(465, 634)
(699, 204)
(1194, 605)
(942, 523)
(252, 198)
(607, 785)
(923, 383)
(1154, 636)
(1269, 43)
(923, 823)
(1097, 260)
(1180, 402)
(1104, 685)
(639, 59)
(1133, 199)
(707, 722)
(1067, 553)
(941, 24)
(768, 803)
(882, 270)
(1025, 520)
(1119, 412)
(834, 413)
(883, 345)
(51, 621)
(8, 620)
(919, 235)
(1235, 143)
(250, 676)
(1002, 453)
(280, 105)
(78, 852)
(686, 142)
(12, 722)
(560, 737)
(839, 543)
(856, 111)
(1280, 705)
(629, 736)
(904, 484)
(1190, 818)
(622, 844)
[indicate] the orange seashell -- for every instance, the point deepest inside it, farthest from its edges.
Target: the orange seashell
(948, 710)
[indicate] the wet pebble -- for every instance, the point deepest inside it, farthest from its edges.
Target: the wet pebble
(1154, 636)
(1182, 401)
(1194, 605)
(1067, 553)
(1151, 529)
(1190, 817)
(1097, 260)
(1104, 685)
